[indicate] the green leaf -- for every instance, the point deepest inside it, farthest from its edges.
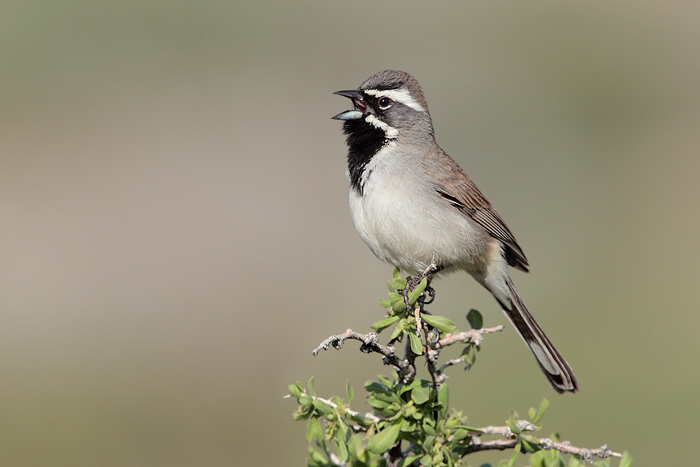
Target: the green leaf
(415, 293)
(514, 457)
(316, 458)
(442, 400)
(312, 391)
(626, 460)
(460, 434)
(398, 305)
(421, 394)
(294, 390)
(306, 400)
(313, 430)
(386, 381)
(408, 460)
(382, 441)
(439, 322)
(513, 427)
(529, 445)
(396, 273)
(373, 386)
(349, 392)
(408, 426)
(416, 344)
(399, 284)
(544, 405)
(343, 431)
(428, 428)
(379, 326)
(390, 286)
(398, 330)
(322, 407)
(475, 319)
(377, 404)
(385, 302)
(342, 448)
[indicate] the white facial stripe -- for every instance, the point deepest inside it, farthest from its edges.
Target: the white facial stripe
(389, 131)
(397, 95)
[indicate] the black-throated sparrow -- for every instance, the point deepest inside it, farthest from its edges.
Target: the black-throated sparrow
(414, 206)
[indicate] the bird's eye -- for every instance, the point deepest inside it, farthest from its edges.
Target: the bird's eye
(385, 103)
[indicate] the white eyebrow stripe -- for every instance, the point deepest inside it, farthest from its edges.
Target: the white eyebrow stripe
(398, 95)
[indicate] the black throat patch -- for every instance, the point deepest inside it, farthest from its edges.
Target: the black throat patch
(364, 141)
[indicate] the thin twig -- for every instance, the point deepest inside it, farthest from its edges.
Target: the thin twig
(565, 447)
(505, 431)
(347, 411)
(370, 343)
(475, 336)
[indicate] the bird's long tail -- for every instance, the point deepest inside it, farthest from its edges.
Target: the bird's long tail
(553, 365)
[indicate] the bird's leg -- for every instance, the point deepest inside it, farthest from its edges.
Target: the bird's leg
(412, 283)
(429, 272)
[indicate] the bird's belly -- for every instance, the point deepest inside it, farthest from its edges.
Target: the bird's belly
(412, 235)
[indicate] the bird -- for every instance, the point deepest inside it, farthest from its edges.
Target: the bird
(416, 209)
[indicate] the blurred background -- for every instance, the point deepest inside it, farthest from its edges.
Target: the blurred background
(175, 236)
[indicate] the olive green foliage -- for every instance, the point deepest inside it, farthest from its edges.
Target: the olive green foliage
(411, 423)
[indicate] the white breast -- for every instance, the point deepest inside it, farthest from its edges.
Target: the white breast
(403, 220)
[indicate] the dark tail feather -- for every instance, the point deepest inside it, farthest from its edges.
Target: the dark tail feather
(553, 365)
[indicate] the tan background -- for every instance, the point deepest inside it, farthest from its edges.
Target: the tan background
(175, 236)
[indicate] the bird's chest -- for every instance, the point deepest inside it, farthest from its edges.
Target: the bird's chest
(386, 213)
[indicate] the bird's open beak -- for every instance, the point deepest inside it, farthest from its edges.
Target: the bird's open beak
(357, 99)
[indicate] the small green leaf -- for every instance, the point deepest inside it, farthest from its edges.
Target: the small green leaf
(322, 407)
(398, 330)
(377, 404)
(428, 428)
(514, 457)
(379, 326)
(406, 461)
(313, 430)
(475, 319)
(349, 392)
(396, 273)
(442, 399)
(421, 394)
(385, 303)
(416, 344)
(294, 390)
(404, 387)
(415, 293)
(626, 460)
(460, 434)
(390, 286)
(441, 323)
(316, 458)
(398, 305)
(544, 405)
(312, 391)
(529, 445)
(408, 426)
(382, 441)
(306, 400)
(399, 284)
(386, 381)
(342, 448)
(513, 427)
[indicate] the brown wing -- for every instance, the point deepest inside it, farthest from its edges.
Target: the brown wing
(462, 193)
